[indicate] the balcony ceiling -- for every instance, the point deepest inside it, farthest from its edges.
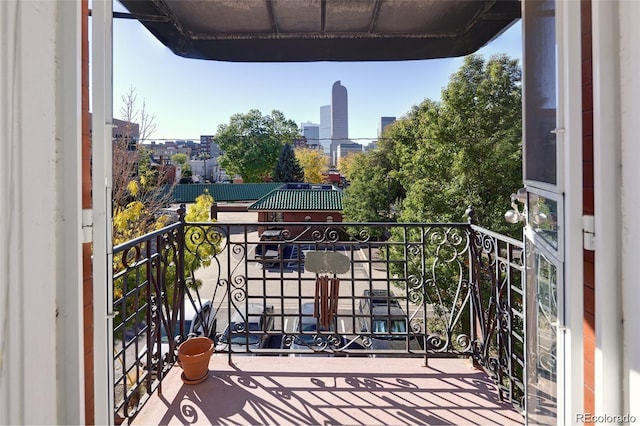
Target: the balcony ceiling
(324, 30)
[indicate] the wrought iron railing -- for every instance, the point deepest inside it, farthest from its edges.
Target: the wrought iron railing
(146, 273)
(335, 289)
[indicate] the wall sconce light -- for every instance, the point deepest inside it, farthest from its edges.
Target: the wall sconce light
(514, 215)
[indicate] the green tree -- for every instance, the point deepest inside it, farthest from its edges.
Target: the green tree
(288, 168)
(445, 156)
(372, 192)
(179, 159)
(470, 147)
(187, 176)
(251, 143)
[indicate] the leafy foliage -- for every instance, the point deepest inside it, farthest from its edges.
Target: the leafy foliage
(445, 156)
(372, 193)
(288, 168)
(179, 158)
(201, 243)
(440, 158)
(139, 187)
(187, 176)
(345, 164)
(139, 192)
(251, 143)
(314, 162)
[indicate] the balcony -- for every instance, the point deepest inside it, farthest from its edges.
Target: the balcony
(411, 324)
(385, 391)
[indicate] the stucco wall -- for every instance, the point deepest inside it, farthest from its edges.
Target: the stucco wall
(40, 214)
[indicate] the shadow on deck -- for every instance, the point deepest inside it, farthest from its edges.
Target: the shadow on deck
(264, 390)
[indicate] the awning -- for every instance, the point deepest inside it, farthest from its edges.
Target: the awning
(324, 30)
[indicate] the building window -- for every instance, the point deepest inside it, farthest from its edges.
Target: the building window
(307, 218)
(329, 218)
(276, 217)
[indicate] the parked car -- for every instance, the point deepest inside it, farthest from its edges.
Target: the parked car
(305, 326)
(195, 324)
(309, 333)
(270, 248)
(247, 330)
(382, 316)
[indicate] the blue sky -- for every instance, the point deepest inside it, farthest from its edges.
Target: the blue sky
(193, 97)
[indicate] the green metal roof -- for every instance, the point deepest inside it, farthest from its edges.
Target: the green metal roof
(223, 192)
(300, 200)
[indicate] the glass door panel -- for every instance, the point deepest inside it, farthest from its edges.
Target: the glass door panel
(540, 150)
(542, 336)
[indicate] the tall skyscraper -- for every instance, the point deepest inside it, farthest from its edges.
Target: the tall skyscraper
(384, 122)
(339, 116)
(325, 128)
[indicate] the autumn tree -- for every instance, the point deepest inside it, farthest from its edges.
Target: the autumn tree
(202, 243)
(345, 163)
(288, 168)
(139, 187)
(314, 163)
(251, 143)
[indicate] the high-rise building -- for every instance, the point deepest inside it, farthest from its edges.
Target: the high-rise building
(311, 131)
(325, 128)
(339, 116)
(211, 169)
(384, 122)
(343, 149)
(205, 143)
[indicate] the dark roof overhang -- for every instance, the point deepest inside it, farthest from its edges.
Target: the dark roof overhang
(324, 30)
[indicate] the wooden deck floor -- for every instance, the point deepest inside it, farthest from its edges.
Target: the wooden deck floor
(262, 390)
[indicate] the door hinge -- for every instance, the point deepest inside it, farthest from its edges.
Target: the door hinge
(588, 233)
(87, 225)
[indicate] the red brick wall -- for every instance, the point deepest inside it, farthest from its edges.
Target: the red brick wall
(589, 315)
(299, 217)
(87, 272)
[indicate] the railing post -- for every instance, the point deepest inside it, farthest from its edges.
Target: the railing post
(477, 314)
(476, 290)
(180, 279)
(149, 318)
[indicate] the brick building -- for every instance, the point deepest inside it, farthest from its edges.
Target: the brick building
(299, 202)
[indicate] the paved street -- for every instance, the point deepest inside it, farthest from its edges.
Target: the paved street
(267, 285)
(284, 286)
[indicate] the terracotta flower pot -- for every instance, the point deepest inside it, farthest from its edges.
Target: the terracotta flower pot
(193, 356)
